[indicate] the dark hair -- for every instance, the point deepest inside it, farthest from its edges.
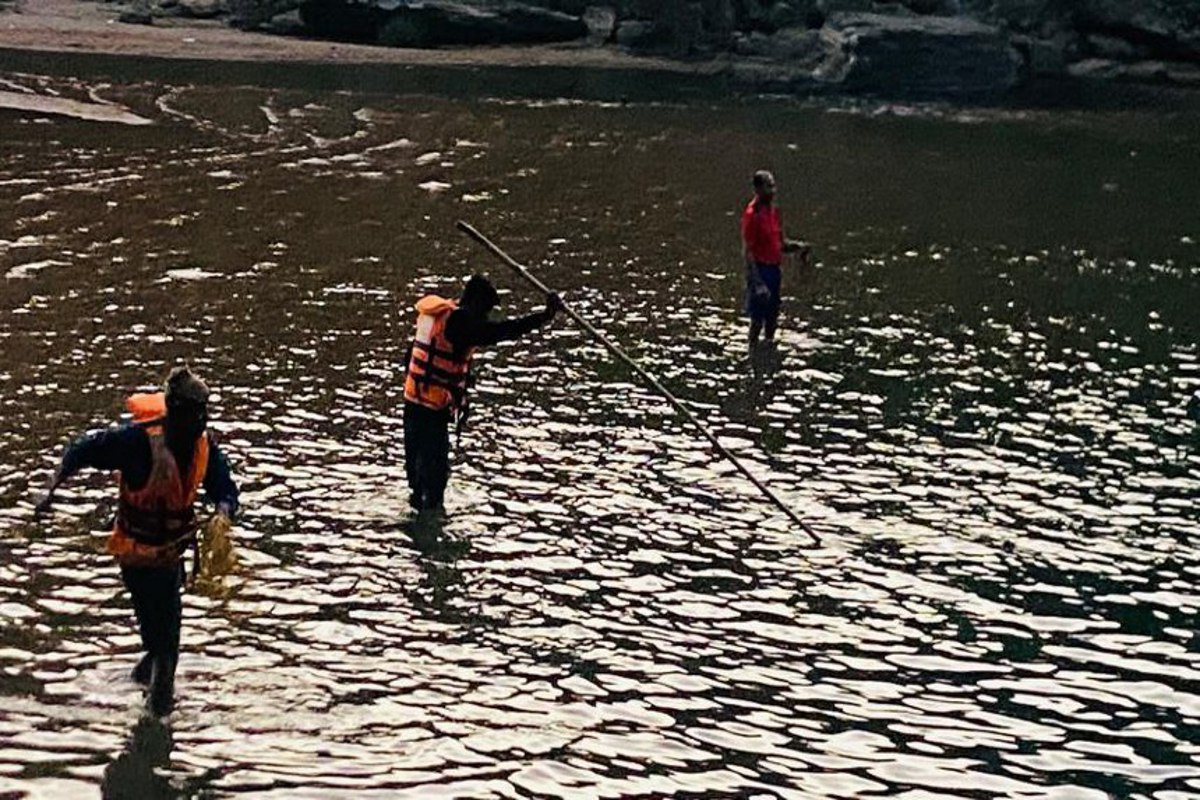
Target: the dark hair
(184, 386)
(480, 293)
(761, 177)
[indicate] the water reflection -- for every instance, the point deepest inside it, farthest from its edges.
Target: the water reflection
(134, 773)
(980, 397)
(440, 590)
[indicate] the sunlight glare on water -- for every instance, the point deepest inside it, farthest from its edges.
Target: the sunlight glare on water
(987, 390)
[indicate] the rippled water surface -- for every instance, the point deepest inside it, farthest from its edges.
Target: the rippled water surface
(985, 398)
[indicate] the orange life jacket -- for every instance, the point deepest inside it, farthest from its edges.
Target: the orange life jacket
(155, 523)
(437, 377)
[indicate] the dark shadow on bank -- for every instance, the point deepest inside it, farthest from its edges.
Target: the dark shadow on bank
(542, 82)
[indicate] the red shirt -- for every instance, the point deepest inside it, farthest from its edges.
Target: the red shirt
(763, 232)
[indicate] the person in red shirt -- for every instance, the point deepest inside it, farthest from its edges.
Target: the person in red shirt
(763, 246)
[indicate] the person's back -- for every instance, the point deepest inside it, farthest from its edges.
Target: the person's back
(447, 335)
(165, 457)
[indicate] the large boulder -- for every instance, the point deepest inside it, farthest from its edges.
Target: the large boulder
(686, 27)
(918, 55)
(601, 22)
(1048, 57)
(1018, 15)
(136, 16)
(1167, 29)
(433, 23)
(795, 47)
(139, 13)
(895, 56)
(1173, 72)
(789, 60)
(285, 24)
(633, 33)
(271, 16)
(201, 9)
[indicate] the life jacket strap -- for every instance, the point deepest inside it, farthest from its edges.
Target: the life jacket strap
(434, 351)
(155, 527)
(442, 377)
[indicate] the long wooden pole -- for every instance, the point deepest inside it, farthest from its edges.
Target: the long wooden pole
(644, 375)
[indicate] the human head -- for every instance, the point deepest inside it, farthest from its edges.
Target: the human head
(479, 296)
(764, 185)
(187, 403)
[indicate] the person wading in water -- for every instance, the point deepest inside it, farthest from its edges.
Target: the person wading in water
(763, 246)
(164, 457)
(435, 388)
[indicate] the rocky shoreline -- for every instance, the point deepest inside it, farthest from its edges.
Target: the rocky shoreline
(909, 49)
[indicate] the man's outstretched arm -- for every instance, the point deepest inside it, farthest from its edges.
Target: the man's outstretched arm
(467, 331)
(111, 449)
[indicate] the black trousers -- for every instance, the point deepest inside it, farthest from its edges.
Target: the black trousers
(426, 454)
(159, 609)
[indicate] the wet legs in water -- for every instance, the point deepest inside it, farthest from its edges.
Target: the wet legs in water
(762, 303)
(764, 325)
(159, 610)
(426, 455)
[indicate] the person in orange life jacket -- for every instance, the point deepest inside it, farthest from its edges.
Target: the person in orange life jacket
(164, 458)
(435, 387)
(763, 246)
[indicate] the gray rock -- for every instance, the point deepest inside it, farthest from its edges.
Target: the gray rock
(791, 60)
(285, 24)
(1048, 57)
(601, 23)
(794, 45)
(1183, 74)
(201, 9)
(784, 15)
(747, 44)
(720, 16)
(922, 55)
(945, 8)
(575, 8)
(257, 14)
(433, 23)
(888, 55)
(1092, 68)
(1020, 15)
(1147, 72)
(136, 16)
(828, 7)
(1166, 29)
(632, 32)
(1175, 72)
(774, 76)
(1101, 46)
(1151, 71)
(166, 10)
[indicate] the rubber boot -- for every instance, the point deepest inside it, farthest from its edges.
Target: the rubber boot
(141, 672)
(162, 685)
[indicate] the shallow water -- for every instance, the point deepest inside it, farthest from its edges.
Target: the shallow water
(984, 398)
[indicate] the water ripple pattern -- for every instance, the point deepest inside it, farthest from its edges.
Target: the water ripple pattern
(988, 389)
